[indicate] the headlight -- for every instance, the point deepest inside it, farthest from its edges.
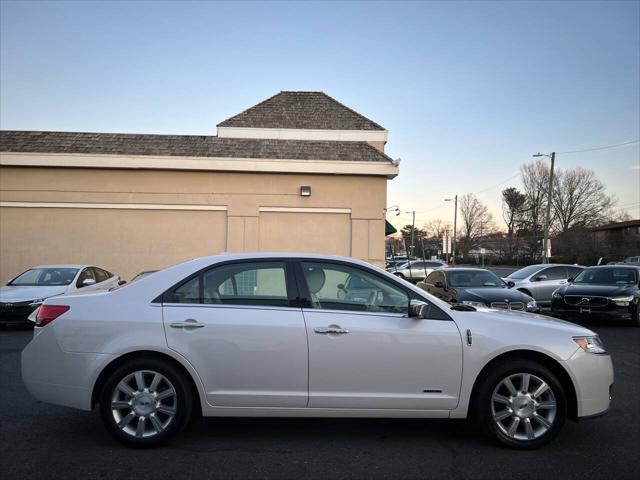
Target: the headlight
(590, 344)
(622, 301)
(532, 305)
(474, 304)
(556, 294)
(37, 303)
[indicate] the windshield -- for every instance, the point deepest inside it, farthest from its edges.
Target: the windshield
(41, 277)
(525, 272)
(607, 276)
(474, 278)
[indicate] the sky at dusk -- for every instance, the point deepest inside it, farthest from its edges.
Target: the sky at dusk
(468, 90)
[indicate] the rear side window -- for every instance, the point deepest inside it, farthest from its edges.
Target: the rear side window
(100, 275)
(574, 271)
(251, 284)
(87, 273)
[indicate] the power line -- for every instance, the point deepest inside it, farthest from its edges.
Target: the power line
(497, 184)
(599, 148)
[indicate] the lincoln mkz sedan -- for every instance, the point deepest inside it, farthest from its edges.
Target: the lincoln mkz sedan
(308, 336)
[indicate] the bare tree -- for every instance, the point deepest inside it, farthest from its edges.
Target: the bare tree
(436, 228)
(476, 221)
(580, 199)
(535, 182)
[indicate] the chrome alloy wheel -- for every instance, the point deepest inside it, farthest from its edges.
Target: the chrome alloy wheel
(523, 406)
(144, 403)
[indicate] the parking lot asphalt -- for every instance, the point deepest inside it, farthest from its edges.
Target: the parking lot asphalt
(45, 441)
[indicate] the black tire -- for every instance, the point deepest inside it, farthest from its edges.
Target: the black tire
(181, 402)
(483, 409)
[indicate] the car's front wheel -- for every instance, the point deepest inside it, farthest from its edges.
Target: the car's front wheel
(145, 401)
(521, 404)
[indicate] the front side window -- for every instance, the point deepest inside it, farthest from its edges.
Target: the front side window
(39, 277)
(340, 287)
(255, 284)
(525, 272)
(86, 274)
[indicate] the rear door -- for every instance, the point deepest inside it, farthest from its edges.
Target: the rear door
(365, 352)
(238, 325)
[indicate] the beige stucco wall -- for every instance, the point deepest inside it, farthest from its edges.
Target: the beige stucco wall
(130, 240)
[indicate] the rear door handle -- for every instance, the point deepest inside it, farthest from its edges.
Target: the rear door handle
(189, 323)
(326, 330)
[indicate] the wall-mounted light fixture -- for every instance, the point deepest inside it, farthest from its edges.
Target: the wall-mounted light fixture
(305, 191)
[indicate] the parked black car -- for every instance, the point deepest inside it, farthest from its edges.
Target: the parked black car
(476, 287)
(607, 291)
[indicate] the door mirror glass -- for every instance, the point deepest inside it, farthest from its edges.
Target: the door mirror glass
(88, 281)
(511, 284)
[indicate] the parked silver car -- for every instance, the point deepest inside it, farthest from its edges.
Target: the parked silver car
(540, 281)
(417, 270)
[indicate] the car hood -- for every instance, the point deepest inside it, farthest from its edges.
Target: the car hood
(599, 290)
(491, 294)
(10, 293)
(523, 320)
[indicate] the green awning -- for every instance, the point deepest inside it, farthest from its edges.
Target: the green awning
(389, 229)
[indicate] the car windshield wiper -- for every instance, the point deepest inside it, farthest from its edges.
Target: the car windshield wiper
(461, 307)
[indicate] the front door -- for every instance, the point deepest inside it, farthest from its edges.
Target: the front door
(234, 324)
(548, 281)
(364, 350)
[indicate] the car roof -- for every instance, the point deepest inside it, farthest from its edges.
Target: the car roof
(61, 265)
(465, 269)
(617, 266)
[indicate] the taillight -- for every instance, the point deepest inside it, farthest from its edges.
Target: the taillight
(48, 313)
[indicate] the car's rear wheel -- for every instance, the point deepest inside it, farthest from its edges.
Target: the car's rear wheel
(145, 402)
(636, 315)
(521, 404)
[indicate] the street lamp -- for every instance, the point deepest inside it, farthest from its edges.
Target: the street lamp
(547, 221)
(455, 220)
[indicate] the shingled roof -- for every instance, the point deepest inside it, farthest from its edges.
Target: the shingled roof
(301, 110)
(185, 145)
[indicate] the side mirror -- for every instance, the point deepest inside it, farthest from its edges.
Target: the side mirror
(438, 284)
(570, 279)
(342, 287)
(418, 309)
(121, 282)
(88, 281)
(511, 284)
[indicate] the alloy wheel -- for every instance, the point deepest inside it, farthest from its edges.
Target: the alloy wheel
(523, 406)
(144, 403)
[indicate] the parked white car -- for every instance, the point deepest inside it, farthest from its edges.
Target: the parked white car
(284, 335)
(26, 292)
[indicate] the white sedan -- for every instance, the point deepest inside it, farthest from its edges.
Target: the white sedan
(23, 294)
(286, 335)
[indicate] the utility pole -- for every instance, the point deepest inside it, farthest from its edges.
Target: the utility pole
(413, 229)
(547, 221)
(455, 226)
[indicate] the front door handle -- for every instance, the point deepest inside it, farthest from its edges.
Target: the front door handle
(326, 330)
(189, 323)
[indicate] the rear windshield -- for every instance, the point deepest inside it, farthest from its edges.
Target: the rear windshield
(607, 276)
(525, 272)
(40, 277)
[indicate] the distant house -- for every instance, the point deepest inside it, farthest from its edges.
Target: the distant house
(618, 239)
(297, 172)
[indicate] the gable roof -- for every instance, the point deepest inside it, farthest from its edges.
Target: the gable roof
(186, 145)
(301, 110)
